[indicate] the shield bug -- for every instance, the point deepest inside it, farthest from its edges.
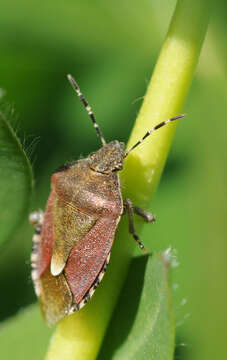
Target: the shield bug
(73, 238)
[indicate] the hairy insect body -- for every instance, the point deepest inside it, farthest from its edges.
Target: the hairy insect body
(82, 213)
(73, 239)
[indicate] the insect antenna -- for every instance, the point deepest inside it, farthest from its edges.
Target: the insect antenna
(87, 107)
(150, 131)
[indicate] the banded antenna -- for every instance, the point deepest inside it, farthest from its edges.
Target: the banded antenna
(87, 107)
(163, 123)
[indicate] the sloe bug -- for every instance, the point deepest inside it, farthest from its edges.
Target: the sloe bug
(73, 238)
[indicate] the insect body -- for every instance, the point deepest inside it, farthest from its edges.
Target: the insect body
(73, 239)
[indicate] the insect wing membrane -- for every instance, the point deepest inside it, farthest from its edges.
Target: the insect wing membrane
(55, 297)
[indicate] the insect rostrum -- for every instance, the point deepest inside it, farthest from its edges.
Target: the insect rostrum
(74, 237)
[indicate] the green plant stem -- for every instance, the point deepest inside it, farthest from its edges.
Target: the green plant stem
(79, 336)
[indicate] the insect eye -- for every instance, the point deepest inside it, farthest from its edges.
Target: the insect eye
(64, 167)
(118, 167)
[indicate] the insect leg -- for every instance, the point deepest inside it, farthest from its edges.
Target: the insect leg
(130, 210)
(149, 217)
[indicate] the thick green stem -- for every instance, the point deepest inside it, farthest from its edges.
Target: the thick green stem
(79, 336)
(165, 97)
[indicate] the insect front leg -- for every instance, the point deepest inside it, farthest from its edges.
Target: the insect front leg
(149, 217)
(129, 208)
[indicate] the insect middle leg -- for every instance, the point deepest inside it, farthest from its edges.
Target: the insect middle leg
(146, 215)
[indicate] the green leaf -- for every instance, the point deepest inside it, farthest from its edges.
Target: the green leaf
(142, 325)
(24, 336)
(15, 180)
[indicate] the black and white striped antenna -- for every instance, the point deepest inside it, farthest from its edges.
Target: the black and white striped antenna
(163, 123)
(87, 107)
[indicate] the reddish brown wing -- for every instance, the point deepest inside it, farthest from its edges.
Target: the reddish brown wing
(58, 294)
(45, 248)
(87, 257)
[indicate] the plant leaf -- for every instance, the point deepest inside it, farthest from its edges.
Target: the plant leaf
(15, 180)
(142, 324)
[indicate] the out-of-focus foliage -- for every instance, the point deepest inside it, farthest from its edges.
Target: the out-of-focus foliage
(111, 48)
(149, 319)
(15, 180)
(29, 341)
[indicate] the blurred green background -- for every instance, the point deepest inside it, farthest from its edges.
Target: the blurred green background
(111, 49)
